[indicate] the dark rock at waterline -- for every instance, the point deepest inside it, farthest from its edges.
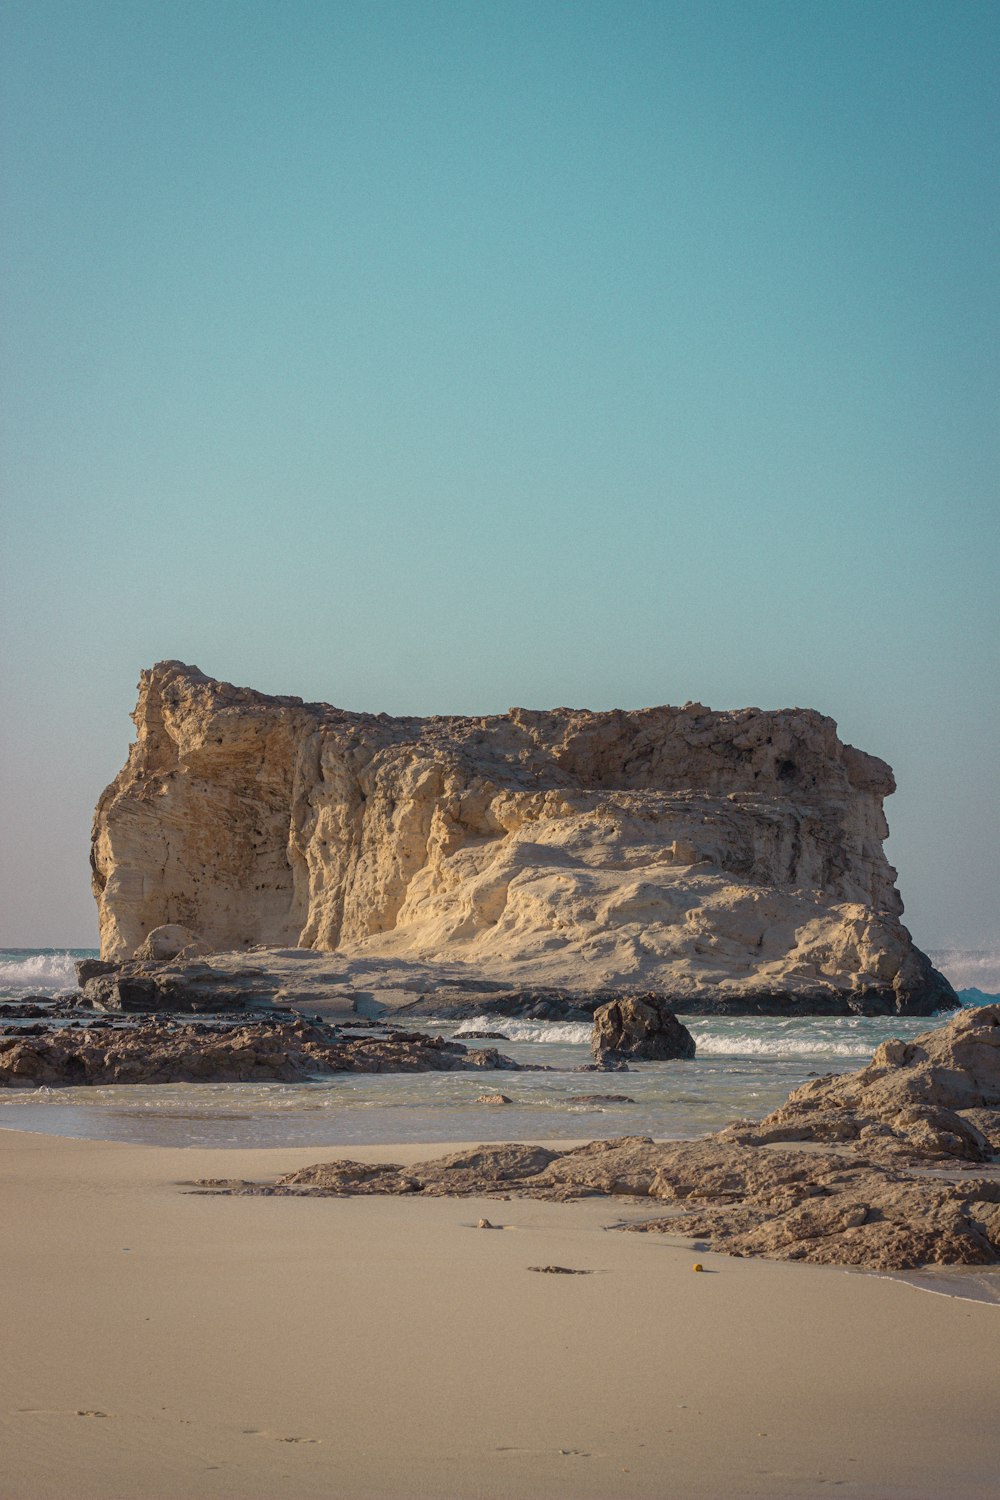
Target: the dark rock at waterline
(268, 1049)
(37, 1007)
(90, 968)
(640, 1027)
(927, 994)
(192, 988)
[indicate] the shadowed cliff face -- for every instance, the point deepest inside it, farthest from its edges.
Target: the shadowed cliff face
(672, 847)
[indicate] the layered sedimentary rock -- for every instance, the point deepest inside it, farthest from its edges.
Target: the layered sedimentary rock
(733, 857)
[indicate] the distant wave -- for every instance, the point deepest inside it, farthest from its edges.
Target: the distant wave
(784, 1045)
(38, 973)
(530, 1031)
(756, 1036)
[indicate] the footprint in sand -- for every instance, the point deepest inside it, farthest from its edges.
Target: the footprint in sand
(277, 1437)
(562, 1452)
(55, 1411)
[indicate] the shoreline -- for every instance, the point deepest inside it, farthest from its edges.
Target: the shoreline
(382, 1347)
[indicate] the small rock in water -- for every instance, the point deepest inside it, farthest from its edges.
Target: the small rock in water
(639, 1026)
(493, 1099)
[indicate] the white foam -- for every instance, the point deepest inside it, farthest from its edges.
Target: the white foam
(531, 1031)
(849, 1038)
(729, 1045)
(40, 973)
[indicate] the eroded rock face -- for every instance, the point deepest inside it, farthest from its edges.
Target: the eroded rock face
(870, 1203)
(639, 1026)
(732, 858)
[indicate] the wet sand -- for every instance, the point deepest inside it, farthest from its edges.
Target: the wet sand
(162, 1345)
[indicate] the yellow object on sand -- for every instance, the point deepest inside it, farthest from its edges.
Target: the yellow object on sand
(697, 1266)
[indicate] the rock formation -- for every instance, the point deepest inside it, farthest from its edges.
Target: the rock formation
(872, 1203)
(639, 1026)
(142, 985)
(725, 858)
(938, 1095)
(260, 1051)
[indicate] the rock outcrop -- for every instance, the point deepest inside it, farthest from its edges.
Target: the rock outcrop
(789, 1205)
(725, 859)
(871, 1203)
(937, 1095)
(274, 1051)
(639, 1026)
(143, 985)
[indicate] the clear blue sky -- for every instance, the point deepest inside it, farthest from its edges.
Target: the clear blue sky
(439, 356)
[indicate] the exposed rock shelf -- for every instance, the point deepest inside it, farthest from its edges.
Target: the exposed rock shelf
(728, 861)
(933, 1103)
(259, 1051)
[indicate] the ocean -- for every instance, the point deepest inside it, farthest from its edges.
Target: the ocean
(745, 1066)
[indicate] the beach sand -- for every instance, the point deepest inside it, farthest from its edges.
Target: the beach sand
(161, 1345)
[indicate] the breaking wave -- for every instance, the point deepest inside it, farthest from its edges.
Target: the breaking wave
(776, 1037)
(756, 1045)
(530, 1031)
(45, 973)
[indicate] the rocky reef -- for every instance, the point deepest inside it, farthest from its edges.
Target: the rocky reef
(254, 1050)
(727, 861)
(910, 1181)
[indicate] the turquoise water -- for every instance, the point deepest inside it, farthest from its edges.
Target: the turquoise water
(745, 1066)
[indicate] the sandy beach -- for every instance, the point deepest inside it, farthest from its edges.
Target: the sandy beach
(164, 1345)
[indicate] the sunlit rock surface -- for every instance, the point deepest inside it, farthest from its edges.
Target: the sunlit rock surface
(726, 858)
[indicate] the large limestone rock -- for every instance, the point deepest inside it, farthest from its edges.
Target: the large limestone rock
(724, 859)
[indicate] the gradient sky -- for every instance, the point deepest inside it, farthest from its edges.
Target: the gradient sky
(438, 357)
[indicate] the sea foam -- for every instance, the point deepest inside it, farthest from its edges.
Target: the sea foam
(45, 973)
